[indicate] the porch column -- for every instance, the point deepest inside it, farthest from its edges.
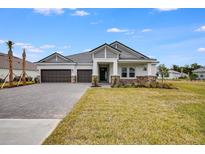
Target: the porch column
(115, 78)
(149, 69)
(115, 68)
(95, 78)
(95, 68)
(73, 74)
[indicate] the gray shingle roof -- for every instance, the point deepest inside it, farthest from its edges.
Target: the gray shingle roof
(17, 63)
(126, 53)
(84, 57)
(202, 69)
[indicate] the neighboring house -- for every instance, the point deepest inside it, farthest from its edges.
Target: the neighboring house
(172, 74)
(176, 75)
(17, 67)
(106, 62)
(200, 72)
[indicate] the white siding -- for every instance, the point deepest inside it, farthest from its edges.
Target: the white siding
(153, 69)
(4, 72)
(139, 69)
(201, 75)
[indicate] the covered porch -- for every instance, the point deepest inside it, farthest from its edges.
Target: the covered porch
(105, 71)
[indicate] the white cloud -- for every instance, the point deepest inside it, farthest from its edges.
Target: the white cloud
(80, 13)
(116, 30)
(28, 46)
(47, 46)
(2, 41)
(65, 47)
(166, 9)
(146, 30)
(36, 50)
(19, 44)
(201, 49)
(22, 44)
(201, 29)
(49, 11)
(86, 50)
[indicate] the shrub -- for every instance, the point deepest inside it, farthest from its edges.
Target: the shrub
(16, 78)
(2, 80)
(183, 77)
(193, 76)
(29, 78)
(37, 80)
(95, 82)
(145, 85)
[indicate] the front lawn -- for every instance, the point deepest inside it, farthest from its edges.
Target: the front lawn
(136, 116)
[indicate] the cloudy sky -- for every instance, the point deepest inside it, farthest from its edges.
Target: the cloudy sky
(173, 36)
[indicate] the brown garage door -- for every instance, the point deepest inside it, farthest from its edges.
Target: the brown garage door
(84, 75)
(55, 75)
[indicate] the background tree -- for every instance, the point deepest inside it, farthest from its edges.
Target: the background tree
(10, 59)
(176, 68)
(188, 69)
(163, 71)
(195, 66)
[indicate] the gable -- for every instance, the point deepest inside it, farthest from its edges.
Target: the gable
(100, 53)
(105, 51)
(55, 58)
(127, 52)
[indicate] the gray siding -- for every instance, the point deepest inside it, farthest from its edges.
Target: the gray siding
(127, 53)
(111, 54)
(53, 60)
(100, 53)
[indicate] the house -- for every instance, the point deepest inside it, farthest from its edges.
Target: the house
(200, 72)
(31, 69)
(106, 63)
(176, 75)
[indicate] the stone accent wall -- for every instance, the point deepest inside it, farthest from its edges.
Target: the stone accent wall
(115, 79)
(73, 79)
(139, 79)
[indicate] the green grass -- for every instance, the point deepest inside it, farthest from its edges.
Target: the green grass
(136, 116)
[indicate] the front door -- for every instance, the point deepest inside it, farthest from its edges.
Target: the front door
(103, 74)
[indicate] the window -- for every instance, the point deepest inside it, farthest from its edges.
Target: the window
(145, 68)
(124, 72)
(201, 76)
(131, 72)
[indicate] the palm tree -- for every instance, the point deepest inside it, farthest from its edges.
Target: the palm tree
(10, 59)
(163, 71)
(24, 66)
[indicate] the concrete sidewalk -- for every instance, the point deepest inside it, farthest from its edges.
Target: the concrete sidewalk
(25, 131)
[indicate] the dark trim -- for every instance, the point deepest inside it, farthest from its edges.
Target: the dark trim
(130, 49)
(54, 54)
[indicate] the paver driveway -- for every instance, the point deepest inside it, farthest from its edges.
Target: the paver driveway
(40, 101)
(28, 114)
